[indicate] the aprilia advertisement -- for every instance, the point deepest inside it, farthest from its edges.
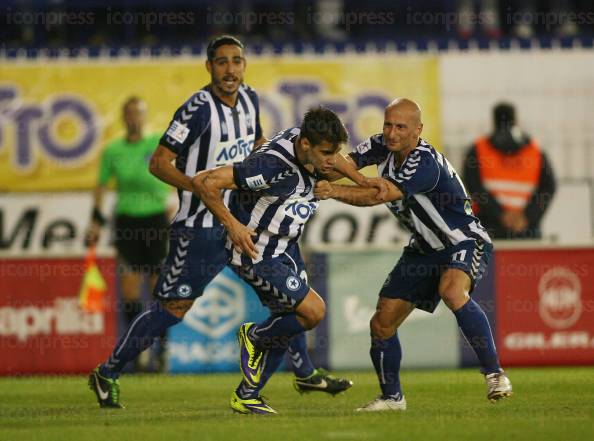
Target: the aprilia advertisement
(42, 327)
(545, 306)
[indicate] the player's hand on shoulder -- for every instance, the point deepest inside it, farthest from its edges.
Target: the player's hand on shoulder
(323, 190)
(380, 184)
(241, 236)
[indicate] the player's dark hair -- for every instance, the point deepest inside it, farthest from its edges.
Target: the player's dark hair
(219, 41)
(321, 124)
(504, 116)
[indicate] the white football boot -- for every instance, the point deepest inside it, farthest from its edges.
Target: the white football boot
(381, 404)
(498, 386)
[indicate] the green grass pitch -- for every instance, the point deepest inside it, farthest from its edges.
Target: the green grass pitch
(548, 404)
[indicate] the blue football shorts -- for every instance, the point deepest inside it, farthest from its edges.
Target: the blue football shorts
(196, 256)
(280, 282)
(415, 278)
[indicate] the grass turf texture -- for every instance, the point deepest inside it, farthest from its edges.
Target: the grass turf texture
(552, 403)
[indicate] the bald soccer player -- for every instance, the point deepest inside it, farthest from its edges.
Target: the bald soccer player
(447, 253)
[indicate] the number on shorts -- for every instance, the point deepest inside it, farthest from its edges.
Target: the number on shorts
(459, 255)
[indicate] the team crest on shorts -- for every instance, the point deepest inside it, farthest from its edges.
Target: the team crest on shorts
(293, 283)
(184, 290)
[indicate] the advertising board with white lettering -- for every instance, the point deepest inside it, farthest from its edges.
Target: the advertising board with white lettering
(42, 328)
(42, 224)
(354, 281)
(545, 306)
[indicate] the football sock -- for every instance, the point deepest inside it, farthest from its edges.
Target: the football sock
(276, 331)
(302, 365)
(475, 326)
(386, 356)
(272, 360)
(141, 333)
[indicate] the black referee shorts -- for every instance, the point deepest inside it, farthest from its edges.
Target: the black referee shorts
(141, 241)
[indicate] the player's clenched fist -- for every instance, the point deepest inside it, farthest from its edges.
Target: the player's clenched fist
(323, 190)
(380, 184)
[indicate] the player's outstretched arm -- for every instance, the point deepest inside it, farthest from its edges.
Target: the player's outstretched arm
(346, 167)
(208, 185)
(162, 167)
(358, 196)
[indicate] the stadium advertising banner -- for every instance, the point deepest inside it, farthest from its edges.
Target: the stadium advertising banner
(352, 281)
(56, 117)
(42, 327)
(54, 224)
(545, 306)
(205, 340)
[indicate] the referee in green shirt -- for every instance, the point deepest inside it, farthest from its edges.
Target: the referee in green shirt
(141, 221)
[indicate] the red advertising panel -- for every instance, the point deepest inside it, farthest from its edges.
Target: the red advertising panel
(42, 327)
(545, 306)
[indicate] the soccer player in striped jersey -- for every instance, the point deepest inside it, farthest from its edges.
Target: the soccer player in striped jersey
(218, 125)
(273, 202)
(447, 253)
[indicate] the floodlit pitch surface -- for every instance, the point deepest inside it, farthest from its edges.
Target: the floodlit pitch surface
(552, 403)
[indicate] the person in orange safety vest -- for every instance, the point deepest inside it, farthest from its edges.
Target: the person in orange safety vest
(510, 179)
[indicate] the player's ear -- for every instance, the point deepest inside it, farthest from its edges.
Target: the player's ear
(420, 129)
(305, 144)
(208, 65)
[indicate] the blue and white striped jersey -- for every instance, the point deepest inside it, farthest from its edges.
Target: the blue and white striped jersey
(275, 196)
(435, 207)
(206, 133)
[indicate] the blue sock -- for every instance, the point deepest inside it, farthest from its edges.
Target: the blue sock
(386, 356)
(276, 331)
(474, 325)
(302, 365)
(273, 359)
(141, 333)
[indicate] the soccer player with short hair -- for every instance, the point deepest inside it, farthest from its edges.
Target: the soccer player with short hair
(218, 125)
(273, 201)
(448, 242)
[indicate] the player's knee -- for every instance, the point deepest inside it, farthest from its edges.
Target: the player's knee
(314, 316)
(312, 313)
(178, 308)
(381, 331)
(454, 296)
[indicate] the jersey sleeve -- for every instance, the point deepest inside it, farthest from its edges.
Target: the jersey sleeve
(259, 133)
(188, 123)
(105, 167)
(419, 173)
(260, 171)
(256, 101)
(369, 152)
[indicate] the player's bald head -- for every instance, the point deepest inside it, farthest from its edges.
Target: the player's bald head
(402, 125)
(407, 107)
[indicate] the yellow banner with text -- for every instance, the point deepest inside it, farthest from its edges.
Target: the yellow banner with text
(56, 117)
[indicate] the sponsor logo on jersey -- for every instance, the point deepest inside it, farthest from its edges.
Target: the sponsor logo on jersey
(256, 182)
(178, 131)
(232, 151)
